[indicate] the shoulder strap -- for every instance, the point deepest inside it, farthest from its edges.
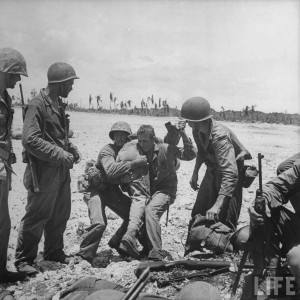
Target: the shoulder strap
(44, 115)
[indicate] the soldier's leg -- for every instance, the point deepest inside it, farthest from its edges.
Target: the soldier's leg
(154, 210)
(119, 203)
(56, 225)
(38, 211)
(140, 194)
(4, 224)
(94, 233)
(207, 194)
(287, 226)
(230, 211)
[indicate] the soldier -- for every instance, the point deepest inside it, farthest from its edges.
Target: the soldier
(45, 138)
(220, 192)
(12, 65)
(282, 223)
(110, 194)
(163, 178)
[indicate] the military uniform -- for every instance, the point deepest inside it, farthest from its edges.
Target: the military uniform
(110, 195)
(44, 137)
(6, 117)
(163, 187)
(223, 174)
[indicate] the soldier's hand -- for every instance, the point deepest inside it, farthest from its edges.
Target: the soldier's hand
(213, 213)
(194, 182)
(255, 218)
(180, 125)
(67, 159)
(241, 156)
(77, 158)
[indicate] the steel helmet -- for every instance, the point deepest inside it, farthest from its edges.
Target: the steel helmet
(119, 126)
(12, 61)
(198, 290)
(196, 109)
(60, 72)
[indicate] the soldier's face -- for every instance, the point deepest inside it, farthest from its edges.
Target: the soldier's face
(194, 125)
(66, 88)
(145, 142)
(120, 138)
(11, 80)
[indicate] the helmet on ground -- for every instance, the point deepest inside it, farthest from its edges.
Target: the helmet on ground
(196, 109)
(198, 290)
(60, 72)
(12, 61)
(239, 237)
(119, 126)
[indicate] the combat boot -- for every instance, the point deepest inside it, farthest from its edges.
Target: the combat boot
(128, 245)
(7, 276)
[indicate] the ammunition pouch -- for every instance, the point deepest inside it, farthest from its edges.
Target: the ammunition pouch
(27, 178)
(25, 157)
(209, 235)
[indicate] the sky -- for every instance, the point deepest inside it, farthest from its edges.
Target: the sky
(233, 53)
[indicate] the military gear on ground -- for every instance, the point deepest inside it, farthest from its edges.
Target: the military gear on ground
(199, 290)
(203, 233)
(12, 62)
(90, 288)
(196, 109)
(119, 126)
(60, 72)
(239, 237)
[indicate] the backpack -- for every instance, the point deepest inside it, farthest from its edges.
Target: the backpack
(208, 234)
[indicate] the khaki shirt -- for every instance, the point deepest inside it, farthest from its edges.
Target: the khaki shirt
(219, 153)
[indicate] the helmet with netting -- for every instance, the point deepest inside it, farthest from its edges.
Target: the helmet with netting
(119, 126)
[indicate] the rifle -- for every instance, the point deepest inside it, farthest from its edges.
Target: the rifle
(202, 275)
(140, 283)
(31, 161)
(254, 239)
(158, 266)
